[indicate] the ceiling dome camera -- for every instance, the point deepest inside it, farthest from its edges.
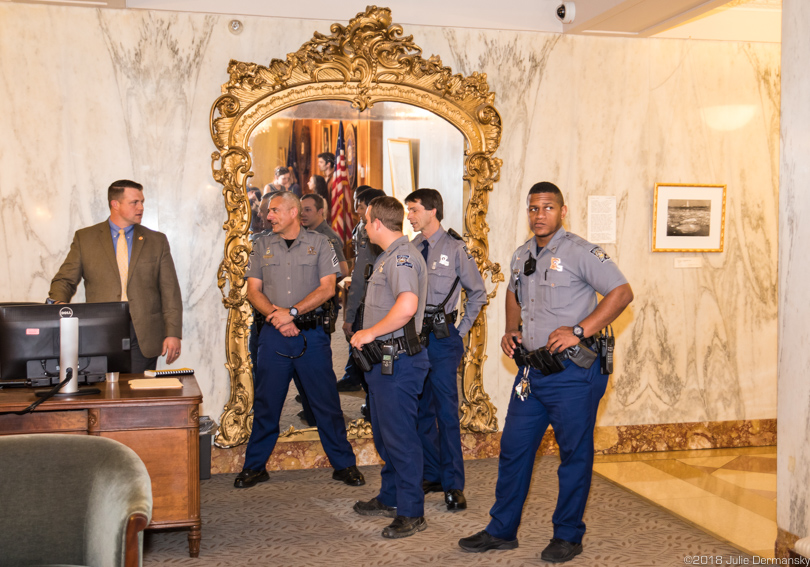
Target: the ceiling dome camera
(566, 12)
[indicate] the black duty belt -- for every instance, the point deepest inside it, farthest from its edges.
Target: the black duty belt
(310, 321)
(372, 353)
(549, 363)
(451, 317)
(399, 343)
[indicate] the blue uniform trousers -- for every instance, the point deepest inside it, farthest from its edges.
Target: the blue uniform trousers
(568, 401)
(253, 348)
(439, 427)
(394, 407)
(270, 390)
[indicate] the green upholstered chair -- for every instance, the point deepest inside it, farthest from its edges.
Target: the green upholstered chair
(71, 500)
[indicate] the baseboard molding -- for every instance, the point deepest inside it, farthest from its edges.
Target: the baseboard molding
(783, 548)
(619, 439)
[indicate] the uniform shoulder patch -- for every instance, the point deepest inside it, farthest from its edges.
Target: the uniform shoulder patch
(454, 234)
(599, 253)
(404, 260)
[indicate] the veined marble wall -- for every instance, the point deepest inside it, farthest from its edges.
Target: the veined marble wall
(793, 457)
(96, 95)
(439, 162)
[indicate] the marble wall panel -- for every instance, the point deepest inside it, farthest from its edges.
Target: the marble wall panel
(128, 93)
(793, 457)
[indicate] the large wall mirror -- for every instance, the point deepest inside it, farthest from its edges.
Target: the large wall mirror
(407, 122)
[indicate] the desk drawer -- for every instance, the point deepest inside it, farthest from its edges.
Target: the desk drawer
(70, 421)
(143, 417)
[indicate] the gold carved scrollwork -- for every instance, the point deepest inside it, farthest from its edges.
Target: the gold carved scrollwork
(367, 61)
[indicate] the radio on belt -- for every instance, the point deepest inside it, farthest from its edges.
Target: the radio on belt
(388, 360)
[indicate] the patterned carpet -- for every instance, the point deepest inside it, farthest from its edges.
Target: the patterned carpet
(304, 518)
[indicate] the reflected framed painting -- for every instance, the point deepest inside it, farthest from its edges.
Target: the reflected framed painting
(689, 218)
(400, 160)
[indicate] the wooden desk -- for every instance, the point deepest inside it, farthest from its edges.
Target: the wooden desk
(161, 426)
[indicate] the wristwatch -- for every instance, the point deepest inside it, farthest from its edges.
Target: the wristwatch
(293, 312)
(579, 332)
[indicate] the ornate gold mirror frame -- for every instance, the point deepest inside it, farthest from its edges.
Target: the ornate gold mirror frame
(366, 62)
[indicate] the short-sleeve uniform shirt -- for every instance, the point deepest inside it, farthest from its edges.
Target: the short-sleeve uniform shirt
(562, 290)
(398, 269)
(365, 253)
(290, 274)
(334, 239)
(449, 258)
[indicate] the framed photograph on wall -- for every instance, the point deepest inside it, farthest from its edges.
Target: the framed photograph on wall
(400, 159)
(689, 218)
(326, 140)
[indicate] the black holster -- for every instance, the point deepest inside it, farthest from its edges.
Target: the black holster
(413, 344)
(330, 312)
(437, 323)
(607, 343)
(368, 357)
(541, 359)
(581, 355)
(435, 320)
(372, 352)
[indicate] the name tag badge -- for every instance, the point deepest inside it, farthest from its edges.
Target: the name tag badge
(556, 264)
(311, 250)
(444, 260)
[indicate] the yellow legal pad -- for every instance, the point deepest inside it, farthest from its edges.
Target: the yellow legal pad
(156, 384)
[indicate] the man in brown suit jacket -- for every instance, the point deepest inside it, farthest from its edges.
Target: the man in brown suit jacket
(152, 289)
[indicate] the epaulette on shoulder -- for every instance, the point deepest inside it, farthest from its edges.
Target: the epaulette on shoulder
(578, 240)
(454, 234)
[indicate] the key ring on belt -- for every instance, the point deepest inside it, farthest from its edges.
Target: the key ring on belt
(297, 355)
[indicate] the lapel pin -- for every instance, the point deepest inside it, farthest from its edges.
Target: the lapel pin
(140, 238)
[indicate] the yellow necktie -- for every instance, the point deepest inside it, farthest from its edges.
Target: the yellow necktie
(122, 257)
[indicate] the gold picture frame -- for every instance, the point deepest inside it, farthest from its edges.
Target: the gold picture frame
(367, 61)
(688, 218)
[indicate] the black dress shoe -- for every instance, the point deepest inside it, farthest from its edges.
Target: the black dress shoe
(374, 508)
(249, 477)
(349, 475)
(302, 415)
(298, 398)
(560, 551)
(404, 526)
(348, 385)
(366, 412)
(455, 500)
(430, 486)
(483, 541)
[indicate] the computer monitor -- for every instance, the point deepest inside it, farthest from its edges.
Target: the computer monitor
(29, 341)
